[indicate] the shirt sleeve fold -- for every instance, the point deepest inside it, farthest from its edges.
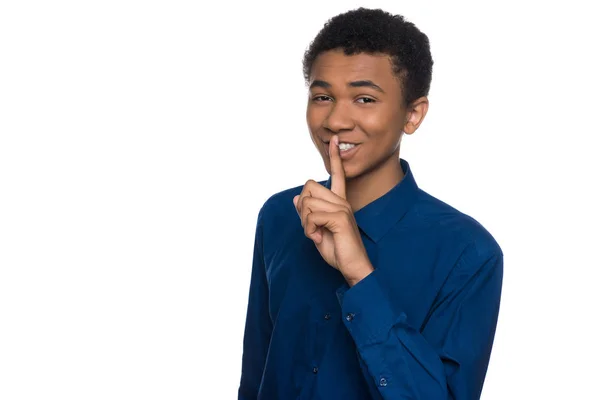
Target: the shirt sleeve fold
(445, 359)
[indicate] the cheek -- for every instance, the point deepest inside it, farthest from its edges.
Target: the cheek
(315, 141)
(313, 119)
(377, 123)
(314, 123)
(382, 127)
(314, 138)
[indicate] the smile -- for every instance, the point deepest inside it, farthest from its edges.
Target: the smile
(347, 150)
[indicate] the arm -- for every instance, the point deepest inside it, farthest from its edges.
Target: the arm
(448, 359)
(257, 334)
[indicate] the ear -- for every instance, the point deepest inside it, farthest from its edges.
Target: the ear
(415, 113)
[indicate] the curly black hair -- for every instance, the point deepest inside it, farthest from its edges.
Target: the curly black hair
(376, 31)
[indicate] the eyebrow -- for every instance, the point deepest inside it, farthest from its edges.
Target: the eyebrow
(362, 83)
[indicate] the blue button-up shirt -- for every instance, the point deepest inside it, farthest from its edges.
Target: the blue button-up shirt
(420, 326)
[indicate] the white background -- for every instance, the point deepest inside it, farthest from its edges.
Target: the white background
(139, 140)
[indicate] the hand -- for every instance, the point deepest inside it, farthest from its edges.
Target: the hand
(328, 220)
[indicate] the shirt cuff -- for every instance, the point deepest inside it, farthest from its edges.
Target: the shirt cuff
(367, 311)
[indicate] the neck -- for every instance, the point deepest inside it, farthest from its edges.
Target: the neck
(370, 186)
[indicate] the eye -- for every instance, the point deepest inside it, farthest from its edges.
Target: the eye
(321, 98)
(365, 100)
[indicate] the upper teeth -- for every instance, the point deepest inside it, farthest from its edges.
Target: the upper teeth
(346, 146)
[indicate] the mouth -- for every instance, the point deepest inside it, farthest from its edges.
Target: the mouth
(347, 150)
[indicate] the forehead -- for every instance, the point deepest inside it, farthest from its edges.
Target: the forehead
(334, 66)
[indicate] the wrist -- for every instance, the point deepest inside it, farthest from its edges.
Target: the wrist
(359, 273)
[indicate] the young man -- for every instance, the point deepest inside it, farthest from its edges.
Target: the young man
(365, 286)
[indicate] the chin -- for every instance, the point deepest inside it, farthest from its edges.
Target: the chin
(349, 171)
(352, 174)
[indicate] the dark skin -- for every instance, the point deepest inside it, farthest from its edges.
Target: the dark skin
(356, 99)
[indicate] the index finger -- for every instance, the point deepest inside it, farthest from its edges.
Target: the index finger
(338, 177)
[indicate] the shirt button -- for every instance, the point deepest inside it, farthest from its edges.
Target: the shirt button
(349, 317)
(315, 370)
(327, 316)
(383, 382)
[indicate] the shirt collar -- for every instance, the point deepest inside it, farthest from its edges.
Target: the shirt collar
(378, 217)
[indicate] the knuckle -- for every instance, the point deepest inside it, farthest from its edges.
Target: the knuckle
(305, 200)
(306, 220)
(307, 228)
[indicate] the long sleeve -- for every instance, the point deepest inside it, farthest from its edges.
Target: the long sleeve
(447, 358)
(258, 327)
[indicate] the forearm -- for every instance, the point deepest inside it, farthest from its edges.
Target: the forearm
(448, 358)
(395, 357)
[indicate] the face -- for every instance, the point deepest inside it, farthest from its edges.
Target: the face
(360, 99)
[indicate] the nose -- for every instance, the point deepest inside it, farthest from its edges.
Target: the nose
(339, 118)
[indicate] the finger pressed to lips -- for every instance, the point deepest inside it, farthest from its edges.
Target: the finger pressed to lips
(320, 202)
(338, 177)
